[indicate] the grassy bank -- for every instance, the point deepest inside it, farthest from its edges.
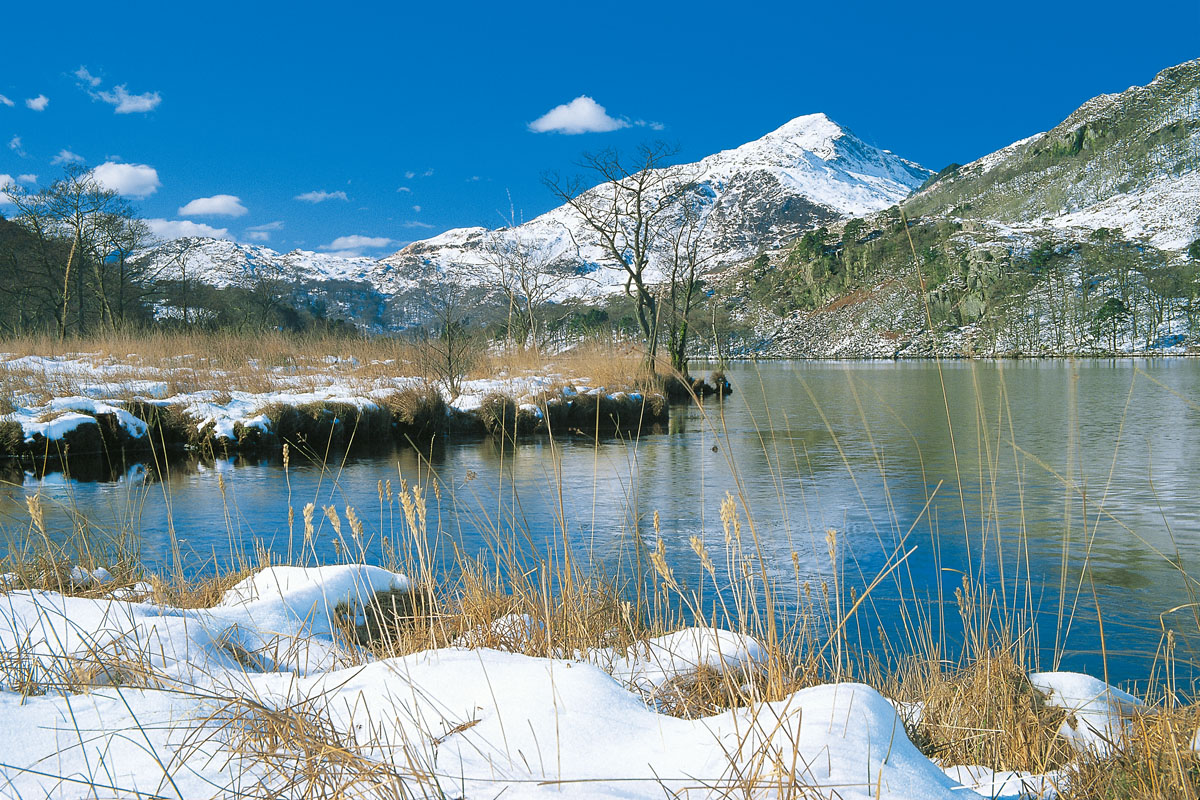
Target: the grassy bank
(215, 393)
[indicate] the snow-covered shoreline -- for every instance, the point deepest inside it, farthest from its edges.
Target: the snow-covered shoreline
(150, 700)
(97, 413)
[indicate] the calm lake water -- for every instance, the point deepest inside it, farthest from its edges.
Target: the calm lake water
(1065, 486)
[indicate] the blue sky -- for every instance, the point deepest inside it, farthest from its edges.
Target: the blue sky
(410, 119)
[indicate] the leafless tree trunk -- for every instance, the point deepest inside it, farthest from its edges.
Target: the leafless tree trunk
(628, 213)
(684, 260)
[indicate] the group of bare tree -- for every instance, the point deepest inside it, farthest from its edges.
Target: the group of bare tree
(647, 218)
(69, 263)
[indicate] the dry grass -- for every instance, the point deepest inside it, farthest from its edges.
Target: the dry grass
(191, 362)
(1155, 760)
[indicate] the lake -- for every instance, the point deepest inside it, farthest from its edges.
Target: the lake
(1063, 487)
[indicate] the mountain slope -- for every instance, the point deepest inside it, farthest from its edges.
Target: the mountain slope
(1120, 160)
(1083, 239)
(808, 172)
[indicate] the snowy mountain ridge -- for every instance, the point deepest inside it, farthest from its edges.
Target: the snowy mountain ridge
(808, 172)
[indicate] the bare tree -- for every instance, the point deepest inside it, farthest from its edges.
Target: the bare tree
(523, 266)
(628, 213)
(123, 238)
(448, 348)
(179, 253)
(73, 209)
(683, 259)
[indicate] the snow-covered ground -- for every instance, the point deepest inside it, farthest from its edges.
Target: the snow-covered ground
(1166, 213)
(87, 385)
(124, 698)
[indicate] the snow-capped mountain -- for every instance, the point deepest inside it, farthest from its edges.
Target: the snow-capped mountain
(808, 172)
(757, 196)
(221, 263)
(1128, 161)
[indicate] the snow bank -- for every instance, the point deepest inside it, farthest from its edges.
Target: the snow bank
(171, 711)
(1097, 711)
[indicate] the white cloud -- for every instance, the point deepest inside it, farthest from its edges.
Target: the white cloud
(127, 103)
(262, 233)
(14, 144)
(321, 196)
(416, 224)
(175, 228)
(654, 126)
(4, 100)
(427, 173)
(410, 174)
(5, 182)
(67, 157)
(354, 245)
(404, 189)
(38, 103)
(86, 77)
(131, 180)
(417, 209)
(356, 242)
(27, 178)
(219, 205)
(581, 115)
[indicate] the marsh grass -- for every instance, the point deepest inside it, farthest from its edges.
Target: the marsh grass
(191, 362)
(974, 705)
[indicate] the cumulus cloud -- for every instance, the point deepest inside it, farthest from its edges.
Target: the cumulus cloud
(14, 144)
(67, 157)
(219, 205)
(27, 178)
(131, 180)
(410, 174)
(127, 103)
(5, 101)
(581, 115)
(175, 228)
(321, 196)
(417, 209)
(258, 236)
(38, 103)
(86, 77)
(6, 181)
(354, 245)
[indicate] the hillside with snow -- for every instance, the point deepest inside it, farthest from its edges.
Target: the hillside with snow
(809, 172)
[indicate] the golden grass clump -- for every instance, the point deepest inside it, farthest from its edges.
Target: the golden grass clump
(1154, 760)
(418, 412)
(985, 713)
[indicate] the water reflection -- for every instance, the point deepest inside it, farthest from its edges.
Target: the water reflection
(1066, 485)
